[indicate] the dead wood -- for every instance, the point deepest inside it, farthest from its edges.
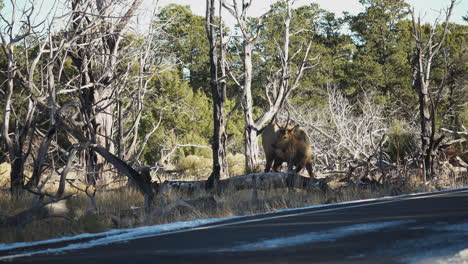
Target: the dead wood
(42, 211)
(140, 179)
(124, 168)
(197, 207)
(264, 181)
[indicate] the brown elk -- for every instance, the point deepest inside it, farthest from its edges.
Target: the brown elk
(270, 136)
(286, 143)
(294, 146)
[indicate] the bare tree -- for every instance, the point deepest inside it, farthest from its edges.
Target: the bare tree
(344, 135)
(281, 84)
(98, 29)
(21, 111)
(133, 91)
(42, 125)
(35, 123)
(218, 92)
(426, 50)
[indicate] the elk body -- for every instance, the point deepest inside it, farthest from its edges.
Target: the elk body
(270, 136)
(286, 143)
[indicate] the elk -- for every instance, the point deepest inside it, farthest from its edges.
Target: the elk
(286, 143)
(270, 136)
(294, 146)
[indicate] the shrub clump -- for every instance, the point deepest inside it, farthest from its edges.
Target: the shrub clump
(402, 142)
(5, 169)
(201, 167)
(195, 166)
(236, 164)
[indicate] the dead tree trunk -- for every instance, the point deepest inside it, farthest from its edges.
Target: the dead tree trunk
(97, 64)
(18, 124)
(262, 181)
(218, 90)
(250, 131)
(424, 54)
(249, 39)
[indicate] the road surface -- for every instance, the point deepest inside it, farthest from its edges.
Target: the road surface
(427, 228)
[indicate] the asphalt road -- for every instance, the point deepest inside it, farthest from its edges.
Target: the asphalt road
(417, 229)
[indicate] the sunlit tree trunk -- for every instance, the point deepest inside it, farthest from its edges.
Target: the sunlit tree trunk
(425, 52)
(218, 91)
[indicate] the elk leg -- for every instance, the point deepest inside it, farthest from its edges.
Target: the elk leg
(298, 168)
(268, 164)
(291, 179)
(277, 165)
(290, 164)
(309, 170)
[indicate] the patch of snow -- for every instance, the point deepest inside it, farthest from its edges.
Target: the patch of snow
(104, 238)
(460, 257)
(464, 254)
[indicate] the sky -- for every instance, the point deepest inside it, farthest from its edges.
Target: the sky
(427, 9)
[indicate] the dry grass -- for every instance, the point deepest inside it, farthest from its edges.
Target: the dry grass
(195, 167)
(114, 207)
(5, 169)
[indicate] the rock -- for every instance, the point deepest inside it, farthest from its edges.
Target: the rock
(58, 209)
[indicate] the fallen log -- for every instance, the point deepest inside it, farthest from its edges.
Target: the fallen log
(123, 167)
(264, 181)
(39, 212)
(139, 179)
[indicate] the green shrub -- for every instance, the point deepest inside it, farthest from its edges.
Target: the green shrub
(195, 166)
(236, 164)
(401, 141)
(201, 167)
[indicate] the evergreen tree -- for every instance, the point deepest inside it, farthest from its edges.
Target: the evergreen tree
(185, 41)
(383, 37)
